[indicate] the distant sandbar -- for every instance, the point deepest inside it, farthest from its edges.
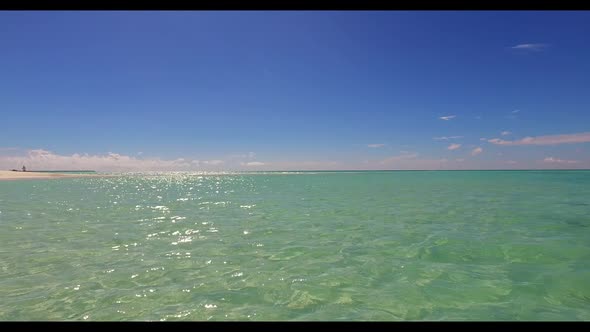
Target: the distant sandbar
(12, 175)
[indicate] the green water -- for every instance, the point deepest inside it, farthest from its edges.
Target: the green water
(456, 245)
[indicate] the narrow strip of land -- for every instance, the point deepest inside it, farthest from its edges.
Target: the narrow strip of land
(12, 175)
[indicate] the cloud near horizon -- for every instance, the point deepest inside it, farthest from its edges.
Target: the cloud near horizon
(379, 145)
(546, 140)
(448, 117)
(453, 146)
(40, 159)
(559, 161)
(253, 163)
(215, 162)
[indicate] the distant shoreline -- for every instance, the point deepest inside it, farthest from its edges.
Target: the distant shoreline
(66, 171)
(19, 175)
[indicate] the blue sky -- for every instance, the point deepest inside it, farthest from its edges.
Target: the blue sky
(295, 90)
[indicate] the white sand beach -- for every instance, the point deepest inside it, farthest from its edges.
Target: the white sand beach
(12, 175)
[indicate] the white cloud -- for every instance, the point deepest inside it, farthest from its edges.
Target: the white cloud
(515, 111)
(112, 162)
(446, 138)
(453, 146)
(215, 162)
(559, 161)
(45, 160)
(448, 117)
(379, 145)
(40, 159)
(546, 140)
(530, 47)
(505, 133)
(253, 163)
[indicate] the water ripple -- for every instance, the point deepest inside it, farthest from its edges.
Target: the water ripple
(297, 246)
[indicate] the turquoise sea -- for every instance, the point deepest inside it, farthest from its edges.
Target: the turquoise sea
(353, 246)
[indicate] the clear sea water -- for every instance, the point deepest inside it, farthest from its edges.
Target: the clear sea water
(407, 245)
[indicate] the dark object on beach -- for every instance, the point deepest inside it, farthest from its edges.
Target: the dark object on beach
(24, 168)
(14, 170)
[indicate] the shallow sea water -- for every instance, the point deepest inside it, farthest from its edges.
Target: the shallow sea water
(406, 245)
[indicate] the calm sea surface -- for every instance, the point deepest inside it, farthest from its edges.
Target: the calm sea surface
(407, 245)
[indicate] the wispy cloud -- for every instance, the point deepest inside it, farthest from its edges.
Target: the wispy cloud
(253, 163)
(530, 47)
(446, 138)
(559, 161)
(476, 151)
(483, 139)
(379, 145)
(513, 114)
(546, 140)
(448, 117)
(505, 133)
(453, 146)
(215, 162)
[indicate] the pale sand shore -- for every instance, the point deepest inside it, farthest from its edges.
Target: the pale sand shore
(11, 175)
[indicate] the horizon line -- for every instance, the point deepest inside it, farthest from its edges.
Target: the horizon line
(307, 170)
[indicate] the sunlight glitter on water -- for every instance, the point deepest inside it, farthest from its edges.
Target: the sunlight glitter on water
(328, 246)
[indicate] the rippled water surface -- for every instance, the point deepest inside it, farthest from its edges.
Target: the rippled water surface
(456, 245)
